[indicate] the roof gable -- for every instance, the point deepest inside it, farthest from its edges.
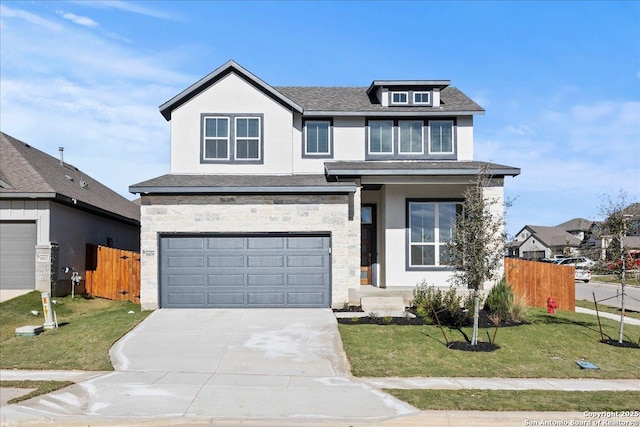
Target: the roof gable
(213, 77)
(32, 173)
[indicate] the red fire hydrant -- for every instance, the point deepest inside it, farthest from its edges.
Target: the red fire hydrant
(551, 305)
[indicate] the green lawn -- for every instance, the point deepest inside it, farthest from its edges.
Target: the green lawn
(547, 347)
(88, 328)
(522, 400)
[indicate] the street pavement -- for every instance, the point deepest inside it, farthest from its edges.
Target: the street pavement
(251, 368)
(609, 294)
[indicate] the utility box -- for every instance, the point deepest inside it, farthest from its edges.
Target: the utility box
(29, 331)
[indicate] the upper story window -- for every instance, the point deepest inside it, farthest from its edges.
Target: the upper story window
(231, 138)
(318, 139)
(247, 138)
(410, 137)
(216, 138)
(399, 98)
(421, 98)
(441, 137)
(380, 137)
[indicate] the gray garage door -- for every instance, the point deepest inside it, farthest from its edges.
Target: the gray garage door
(17, 255)
(245, 271)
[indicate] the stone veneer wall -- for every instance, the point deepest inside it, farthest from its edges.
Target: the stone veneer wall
(253, 213)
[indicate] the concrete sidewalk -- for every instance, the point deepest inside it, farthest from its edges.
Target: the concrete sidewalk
(612, 316)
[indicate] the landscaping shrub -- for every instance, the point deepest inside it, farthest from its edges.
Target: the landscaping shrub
(430, 302)
(503, 302)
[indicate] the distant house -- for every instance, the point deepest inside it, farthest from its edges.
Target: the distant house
(538, 242)
(49, 211)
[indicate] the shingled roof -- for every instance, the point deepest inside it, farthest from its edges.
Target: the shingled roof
(554, 236)
(355, 99)
(26, 172)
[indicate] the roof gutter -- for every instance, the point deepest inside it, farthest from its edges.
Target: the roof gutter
(325, 189)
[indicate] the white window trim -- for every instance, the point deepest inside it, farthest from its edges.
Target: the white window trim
(453, 137)
(257, 139)
(205, 138)
(400, 138)
(406, 94)
(427, 102)
(306, 138)
(436, 238)
(381, 153)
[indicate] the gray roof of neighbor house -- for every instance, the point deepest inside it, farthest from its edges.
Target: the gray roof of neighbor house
(247, 184)
(554, 236)
(28, 173)
(327, 100)
(576, 224)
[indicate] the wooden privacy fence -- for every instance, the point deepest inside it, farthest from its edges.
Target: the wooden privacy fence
(112, 273)
(537, 281)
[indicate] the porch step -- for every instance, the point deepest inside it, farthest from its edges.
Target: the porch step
(383, 306)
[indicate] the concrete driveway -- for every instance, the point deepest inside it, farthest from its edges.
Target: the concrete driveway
(240, 364)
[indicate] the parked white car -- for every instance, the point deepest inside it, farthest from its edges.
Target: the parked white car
(582, 273)
(580, 260)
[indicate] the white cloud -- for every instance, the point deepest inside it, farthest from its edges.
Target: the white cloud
(585, 113)
(80, 20)
(128, 6)
(7, 12)
(520, 130)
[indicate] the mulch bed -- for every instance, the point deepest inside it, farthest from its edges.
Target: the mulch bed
(623, 344)
(484, 347)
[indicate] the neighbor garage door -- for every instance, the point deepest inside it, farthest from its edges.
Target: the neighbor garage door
(245, 271)
(17, 255)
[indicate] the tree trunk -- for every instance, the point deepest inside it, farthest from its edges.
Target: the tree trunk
(476, 303)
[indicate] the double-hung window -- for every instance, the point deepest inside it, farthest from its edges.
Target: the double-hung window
(399, 98)
(317, 138)
(410, 137)
(380, 137)
(441, 137)
(247, 138)
(431, 226)
(231, 138)
(216, 138)
(421, 98)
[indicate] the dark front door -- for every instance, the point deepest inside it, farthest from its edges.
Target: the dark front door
(367, 244)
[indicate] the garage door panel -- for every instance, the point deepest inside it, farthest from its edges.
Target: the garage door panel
(265, 279)
(225, 261)
(221, 280)
(265, 261)
(186, 243)
(225, 299)
(306, 298)
(305, 243)
(265, 298)
(306, 280)
(186, 299)
(265, 243)
(185, 280)
(305, 261)
(245, 271)
(225, 243)
(185, 261)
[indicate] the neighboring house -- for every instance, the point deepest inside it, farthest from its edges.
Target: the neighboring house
(49, 211)
(538, 242)
(296, 196)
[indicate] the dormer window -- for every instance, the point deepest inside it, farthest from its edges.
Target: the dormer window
(421, 98)
(399, 98)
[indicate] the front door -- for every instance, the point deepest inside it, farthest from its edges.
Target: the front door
(367, 243)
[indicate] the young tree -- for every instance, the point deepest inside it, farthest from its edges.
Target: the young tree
(618, 216)
(477, 246)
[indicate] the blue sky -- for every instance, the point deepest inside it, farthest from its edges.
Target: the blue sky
(560, 81)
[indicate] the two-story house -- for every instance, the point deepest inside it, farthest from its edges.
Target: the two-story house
(291, 196)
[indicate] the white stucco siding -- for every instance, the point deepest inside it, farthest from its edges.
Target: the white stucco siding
(393, 247)
(231, 95)
(72, 229)
(28, 210)
(465, 137)
(348, 144)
